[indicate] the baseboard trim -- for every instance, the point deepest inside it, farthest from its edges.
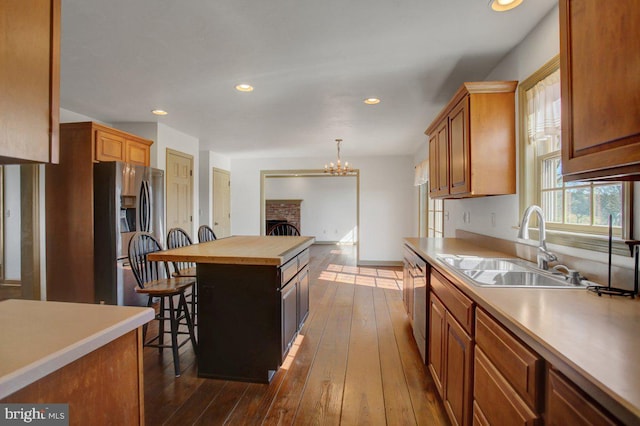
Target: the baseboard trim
(333, 243)
(380, 263)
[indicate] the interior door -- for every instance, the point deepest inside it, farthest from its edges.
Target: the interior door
(179, 191)
(221, 203)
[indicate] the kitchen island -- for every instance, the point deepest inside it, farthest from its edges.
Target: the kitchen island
(87, 356)
(579, 349)
(253, 297)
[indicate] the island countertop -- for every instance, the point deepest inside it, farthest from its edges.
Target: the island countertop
(593, 340)
(40, 337)
(238, 250)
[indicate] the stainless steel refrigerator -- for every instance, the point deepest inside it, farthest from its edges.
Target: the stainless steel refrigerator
(127, 199)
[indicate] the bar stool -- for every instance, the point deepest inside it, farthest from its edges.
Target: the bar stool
(152, 281)
(205, 233)
(178, 237)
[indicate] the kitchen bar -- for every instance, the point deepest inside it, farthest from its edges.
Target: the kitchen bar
(253, 296)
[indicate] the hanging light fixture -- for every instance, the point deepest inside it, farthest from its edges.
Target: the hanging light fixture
(337, 169)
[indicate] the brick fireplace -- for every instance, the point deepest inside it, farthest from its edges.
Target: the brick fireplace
(282, 211)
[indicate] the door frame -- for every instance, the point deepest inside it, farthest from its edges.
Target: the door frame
(316, 173)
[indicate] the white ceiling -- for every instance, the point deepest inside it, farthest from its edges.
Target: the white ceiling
(312, 63)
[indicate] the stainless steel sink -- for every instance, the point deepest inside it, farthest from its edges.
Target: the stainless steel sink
(505, 272)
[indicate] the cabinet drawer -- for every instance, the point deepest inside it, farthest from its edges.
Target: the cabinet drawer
(497, 401)
(303, 259)
(518, 364)
(288, 271)
(459, 305)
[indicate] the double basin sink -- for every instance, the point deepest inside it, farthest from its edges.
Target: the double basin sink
(505, 272)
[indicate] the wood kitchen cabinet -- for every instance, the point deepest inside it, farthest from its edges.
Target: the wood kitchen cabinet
(507, 385)
(567, 405)
(472, 142)
(116, 146)
(29, 81)
(69, 204)
(451, 318)
(600, 88)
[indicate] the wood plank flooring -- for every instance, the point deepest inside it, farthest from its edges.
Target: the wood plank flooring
(354, 363)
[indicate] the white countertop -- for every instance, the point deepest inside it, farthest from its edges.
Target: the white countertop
(593, 340)
(40, 337)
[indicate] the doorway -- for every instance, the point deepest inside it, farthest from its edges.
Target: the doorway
(20, 232)
(329, 204)
(221, 203)
(179, 191)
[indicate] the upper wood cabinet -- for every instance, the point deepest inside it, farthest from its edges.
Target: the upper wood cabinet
(29, 81)
(599, 66)
(472, 149)
(114, 145)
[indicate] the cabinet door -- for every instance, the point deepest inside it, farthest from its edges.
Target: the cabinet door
(109, 147)
(439, 161)
(289, 315)
(567, 406)
(457, 377)
(29, 80)
(436, 341)
(303, 296)
(599, 68)
(136, 153)
(459, 148)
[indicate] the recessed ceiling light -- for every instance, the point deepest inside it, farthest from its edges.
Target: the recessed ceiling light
(159, 112)
(244, 87)
(372, 101)
(504, 5)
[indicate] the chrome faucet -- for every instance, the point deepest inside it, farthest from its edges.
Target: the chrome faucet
(544, 255)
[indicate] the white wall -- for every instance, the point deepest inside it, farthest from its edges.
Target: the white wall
(209, 160)
(387, 205)
(329, 207)
(12, 222)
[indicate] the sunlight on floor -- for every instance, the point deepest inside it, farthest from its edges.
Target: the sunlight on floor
(293, 350)
(369, 277)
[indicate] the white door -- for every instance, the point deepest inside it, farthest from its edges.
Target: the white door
(221, 203)
(179, 191)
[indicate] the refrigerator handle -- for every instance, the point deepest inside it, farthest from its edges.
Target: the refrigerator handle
(145, 207)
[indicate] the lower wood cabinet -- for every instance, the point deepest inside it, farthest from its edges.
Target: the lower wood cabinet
(451, 349)
(303, 297)
(567, 405)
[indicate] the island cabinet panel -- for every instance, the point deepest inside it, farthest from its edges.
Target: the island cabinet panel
(472, 142)
(599, 65)
(29, 81)
(451, 347)
(249, 315)
(567, 405)
(303, 296)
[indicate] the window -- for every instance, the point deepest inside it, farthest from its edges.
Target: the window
(435, 222)
(430, 211)
(572, 208)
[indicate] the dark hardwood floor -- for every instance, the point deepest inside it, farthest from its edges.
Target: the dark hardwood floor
(355, 362)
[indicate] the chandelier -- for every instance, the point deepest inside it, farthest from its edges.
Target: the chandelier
(337, 169)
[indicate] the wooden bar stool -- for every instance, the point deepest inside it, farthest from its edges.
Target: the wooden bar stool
(154, 280)
(205, 233)
(178, 237)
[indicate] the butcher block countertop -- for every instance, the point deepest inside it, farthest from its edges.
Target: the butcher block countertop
(40, 337)
(593, 340)
(239, 250)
